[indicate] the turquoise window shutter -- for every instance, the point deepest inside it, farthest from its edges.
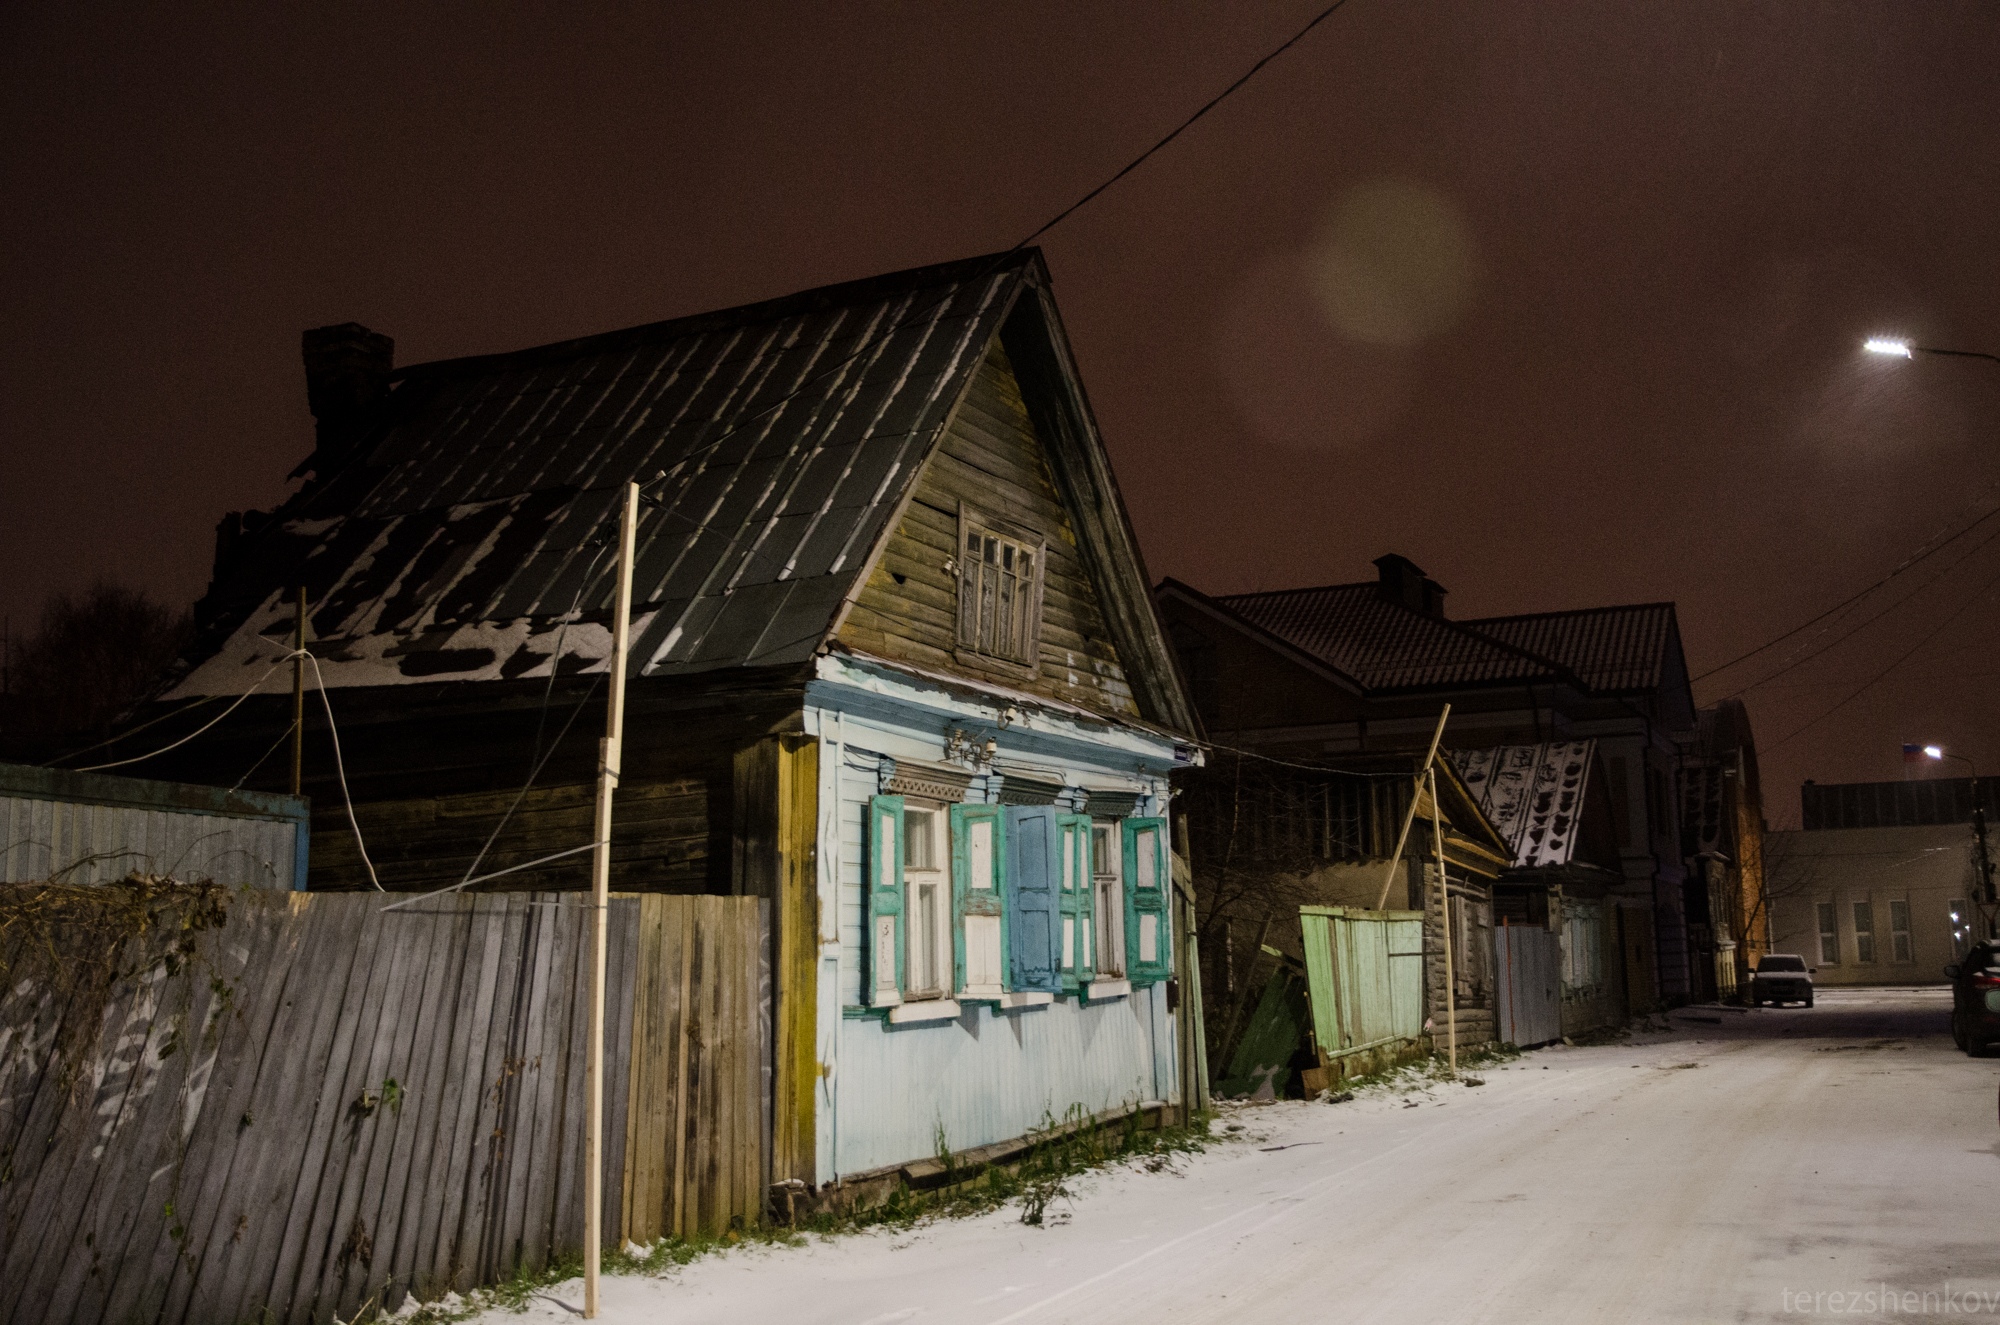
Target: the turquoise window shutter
(1034, 852)
(979, 938)
(886, 913)
(1146, 881)
(1076, 938)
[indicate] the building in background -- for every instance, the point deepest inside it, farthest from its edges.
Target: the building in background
(1722, 841)
(1340, 674)
(1882, 886)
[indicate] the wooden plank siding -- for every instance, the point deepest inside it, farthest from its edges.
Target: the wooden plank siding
(659, 842)
(992, 461)
(231, 1148)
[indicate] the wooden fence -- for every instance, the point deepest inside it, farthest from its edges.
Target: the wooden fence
(332, 1105)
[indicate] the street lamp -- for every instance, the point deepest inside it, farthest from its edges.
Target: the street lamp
(1978, 827)
(1896, 347)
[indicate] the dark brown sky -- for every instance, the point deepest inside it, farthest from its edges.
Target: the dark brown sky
(1663, 229)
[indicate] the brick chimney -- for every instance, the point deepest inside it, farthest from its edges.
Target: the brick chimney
(1403, 583)
(347, 375)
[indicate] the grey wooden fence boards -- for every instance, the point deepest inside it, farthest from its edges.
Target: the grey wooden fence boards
(337, 1104)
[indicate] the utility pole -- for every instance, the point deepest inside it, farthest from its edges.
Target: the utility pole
(1409, 818)
(610, 753)
(298, 690)
(1444, 910)
(1986, 899)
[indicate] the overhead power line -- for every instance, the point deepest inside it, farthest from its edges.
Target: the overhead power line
(1915, 559)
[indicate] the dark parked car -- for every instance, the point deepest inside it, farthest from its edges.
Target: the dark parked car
(1781, 978)
(1975, 998)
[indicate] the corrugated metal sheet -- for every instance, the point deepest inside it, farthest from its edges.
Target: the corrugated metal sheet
(1383, 645)
(41, 840)
(95, 827)
(1531, 794)
(1613, 649)
(787, 432)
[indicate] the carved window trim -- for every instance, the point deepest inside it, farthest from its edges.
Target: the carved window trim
(988, 583)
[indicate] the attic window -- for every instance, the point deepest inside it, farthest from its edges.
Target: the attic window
(999, 591)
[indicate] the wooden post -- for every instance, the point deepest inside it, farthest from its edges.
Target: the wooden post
(1444, 903)
(1411, 817)
(610, 752)
(299, 691)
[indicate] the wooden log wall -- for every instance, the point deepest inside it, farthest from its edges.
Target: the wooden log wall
(659, 840)
(992, 460)
(333, 1105)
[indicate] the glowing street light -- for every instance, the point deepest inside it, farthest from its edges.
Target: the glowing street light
(1933, 752)
(1895, 347)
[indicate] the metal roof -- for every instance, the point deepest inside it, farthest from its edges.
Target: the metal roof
(1532, 795)
(1380, 644)
(1609, 649)
(784, 433)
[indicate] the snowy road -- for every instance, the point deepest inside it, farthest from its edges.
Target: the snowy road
(1711, 1174)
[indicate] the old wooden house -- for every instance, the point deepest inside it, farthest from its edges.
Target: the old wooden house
(1340, 674)
(896, 669)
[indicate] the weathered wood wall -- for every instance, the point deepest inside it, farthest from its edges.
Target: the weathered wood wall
(659, 841)
(335, 1104)
(696, 1155)
(992, 460)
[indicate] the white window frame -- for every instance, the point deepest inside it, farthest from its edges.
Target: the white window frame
(1107, 881)
(1021, 651)
(1864, 936)
(927, 932)
(1902, 948)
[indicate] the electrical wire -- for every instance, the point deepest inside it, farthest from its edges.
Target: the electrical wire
(120, 763)
(340, 770)
(1800, 660)
(1908, 563)
(1870, 683)
(869, 342)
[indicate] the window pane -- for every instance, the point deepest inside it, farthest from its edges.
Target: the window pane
(918, 847)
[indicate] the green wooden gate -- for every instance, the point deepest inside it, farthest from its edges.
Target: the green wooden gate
(1365, 976)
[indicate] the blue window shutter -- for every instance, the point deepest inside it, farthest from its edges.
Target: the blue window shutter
(979, 936)
(1147, 937)
(1034, 851)
(883, 947)
(1076, 935)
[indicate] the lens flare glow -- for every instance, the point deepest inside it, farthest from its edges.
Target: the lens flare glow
(1934, 752)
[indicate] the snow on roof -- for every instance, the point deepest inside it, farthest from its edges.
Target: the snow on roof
(1531, 794)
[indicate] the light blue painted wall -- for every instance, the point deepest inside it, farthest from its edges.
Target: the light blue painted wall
(990, 1075)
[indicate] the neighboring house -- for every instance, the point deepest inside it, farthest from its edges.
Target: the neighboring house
(1722, 839)
(1333, 674)
(1269, 837)
(1882, 886)
(67, 827)
(895, 667)
(1548, 805)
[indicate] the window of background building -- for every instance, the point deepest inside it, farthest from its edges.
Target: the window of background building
(1961, 926)
(1829, 936)
(1864, 932)
(1900, 948)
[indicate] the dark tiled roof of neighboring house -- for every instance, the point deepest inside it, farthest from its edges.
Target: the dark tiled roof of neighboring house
(1609, 649)
(1382, 645)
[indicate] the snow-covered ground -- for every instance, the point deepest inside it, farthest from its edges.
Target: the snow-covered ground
(1716, 1172)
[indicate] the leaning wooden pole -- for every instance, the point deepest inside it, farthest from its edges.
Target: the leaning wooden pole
(610, 752)
(1410, 817)
(1444, 909)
